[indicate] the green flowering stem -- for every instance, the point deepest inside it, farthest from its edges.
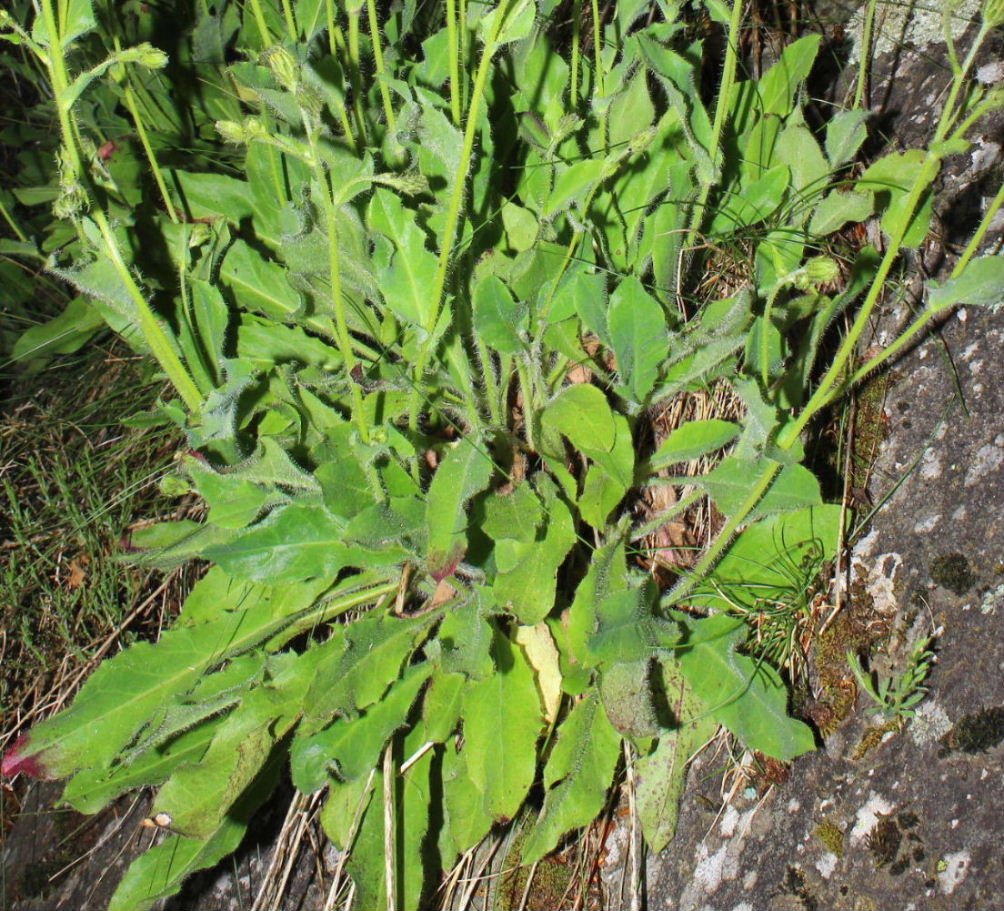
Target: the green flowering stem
(722, 110)
(153, 332)
(949, 118)
(573, 82)
(342, 338)
(993, 13)
(830, 387)
(381, 72)
(911, 332)
(456, 204)
(451, 40)
(462, 46)
(259, 18)
(336, 46)
(865, 55)
(599, 86)
(712, 555)
(355, 74)
(130, 102)
(977, 238)
(895, 348)
(287, 13)
(948, 113)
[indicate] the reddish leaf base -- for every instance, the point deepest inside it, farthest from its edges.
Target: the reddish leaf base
(14, 760)
(442, 565)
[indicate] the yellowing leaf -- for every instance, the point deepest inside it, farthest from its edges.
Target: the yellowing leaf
(543, 657)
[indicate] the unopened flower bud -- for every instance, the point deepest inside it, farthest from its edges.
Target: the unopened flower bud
(71, 201)
(254, 128)
(283, 66)
(149, 56)
(820, 270)
(568, 123)
(231, 131)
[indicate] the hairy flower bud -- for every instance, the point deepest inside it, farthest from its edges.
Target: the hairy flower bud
(231, 131)
(642, 141)
(819, 270)
(254, 128)
(149, 56)
(241, 133)
(283, 66)
(70, 202)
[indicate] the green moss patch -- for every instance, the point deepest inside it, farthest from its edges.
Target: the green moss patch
(978, 732)
(952, 571)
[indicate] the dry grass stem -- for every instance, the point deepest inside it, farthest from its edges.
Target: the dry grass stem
(526, 888)
(300, 816)
(337, 881)
(389, 830)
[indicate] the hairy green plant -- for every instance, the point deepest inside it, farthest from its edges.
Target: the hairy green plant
(417, 325)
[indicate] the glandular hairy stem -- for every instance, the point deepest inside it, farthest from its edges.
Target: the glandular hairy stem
(504, 10)
(381, 74)
(342, 338)
(722, 109)
(153, 332)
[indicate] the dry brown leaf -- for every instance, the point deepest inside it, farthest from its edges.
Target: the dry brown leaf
(76, 574)
(443, 593)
